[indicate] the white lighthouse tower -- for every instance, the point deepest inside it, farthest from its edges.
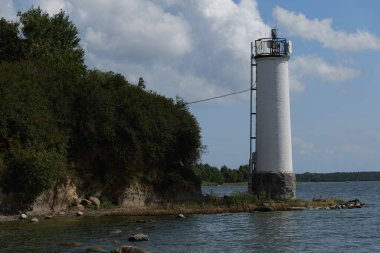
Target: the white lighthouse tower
(271, 164)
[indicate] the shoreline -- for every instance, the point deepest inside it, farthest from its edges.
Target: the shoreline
(152, 212)
(189, 208)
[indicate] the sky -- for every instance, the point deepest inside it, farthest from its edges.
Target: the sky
(198, 49)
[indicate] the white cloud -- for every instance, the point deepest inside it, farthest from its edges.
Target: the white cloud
(7, 10)
(323, 32)
(54, 6)
(349, 149)
(305, 147)
(188, 48)
(295, 84)
(193, 49)
(312, 66)
(126, 31)
(302, 146)
(233, 25)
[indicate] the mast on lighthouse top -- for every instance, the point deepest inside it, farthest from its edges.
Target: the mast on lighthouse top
(273, 47)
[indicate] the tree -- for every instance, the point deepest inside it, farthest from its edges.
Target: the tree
(40, 62)
(51, 37)
(141, 83)
(58, 118)
(10, 45)
(32, 145)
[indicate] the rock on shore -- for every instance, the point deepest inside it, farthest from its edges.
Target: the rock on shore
(34, 220)
(23, 216)
(355, 203)
(128, 249)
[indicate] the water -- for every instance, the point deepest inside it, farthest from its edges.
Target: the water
(349, 230)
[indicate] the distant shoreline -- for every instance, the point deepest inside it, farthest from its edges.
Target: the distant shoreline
(309, 177)
(298, 182)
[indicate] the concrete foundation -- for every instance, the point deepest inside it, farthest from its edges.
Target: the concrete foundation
(277, 186)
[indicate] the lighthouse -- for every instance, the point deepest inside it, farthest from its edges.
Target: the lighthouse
(271, 166)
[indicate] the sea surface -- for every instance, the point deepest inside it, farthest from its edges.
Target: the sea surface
(348, 230)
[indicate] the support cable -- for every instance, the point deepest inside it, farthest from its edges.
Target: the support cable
(222, 96)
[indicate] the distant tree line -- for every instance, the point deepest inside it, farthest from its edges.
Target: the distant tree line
(338, 177)
(211, 174)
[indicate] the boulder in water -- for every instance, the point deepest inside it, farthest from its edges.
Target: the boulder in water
(138, 238)
(355, 203)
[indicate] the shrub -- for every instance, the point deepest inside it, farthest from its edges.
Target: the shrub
(31, 172)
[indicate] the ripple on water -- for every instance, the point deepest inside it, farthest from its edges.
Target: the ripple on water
(354, 230)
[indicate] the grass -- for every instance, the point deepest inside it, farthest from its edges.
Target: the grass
(326, 202)
(108, 205)
(211, 204)
(246, 201)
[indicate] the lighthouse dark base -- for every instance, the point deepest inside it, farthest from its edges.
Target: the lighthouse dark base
(275, 185)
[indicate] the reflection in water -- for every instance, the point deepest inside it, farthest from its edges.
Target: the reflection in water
(277, 229)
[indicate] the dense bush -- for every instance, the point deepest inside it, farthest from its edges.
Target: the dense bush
(56, 114)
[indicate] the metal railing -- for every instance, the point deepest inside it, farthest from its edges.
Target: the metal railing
(272, 47)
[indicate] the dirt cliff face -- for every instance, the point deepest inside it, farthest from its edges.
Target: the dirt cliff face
(60, 197)
(67, 194)
(72, 191)
(136, 195)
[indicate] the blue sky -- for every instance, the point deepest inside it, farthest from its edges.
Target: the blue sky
(199, 49)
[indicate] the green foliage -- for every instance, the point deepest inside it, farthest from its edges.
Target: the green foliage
(10, 46)
(141, 83)
(32, 145)
(51, 37)
(3, 167)
(212, 174)
(31, 171)
(262, 198)
(209, 174)
(54, 113)
(123, 133)
(294, 202)
(325, 202)
(242, 199)
(108, 205)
